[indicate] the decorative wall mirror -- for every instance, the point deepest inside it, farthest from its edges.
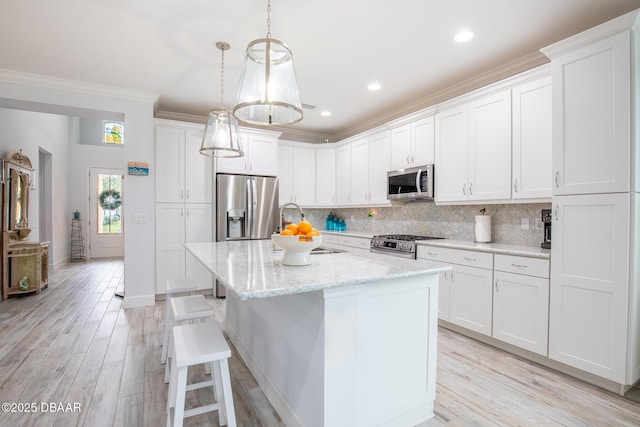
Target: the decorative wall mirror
(17, 175)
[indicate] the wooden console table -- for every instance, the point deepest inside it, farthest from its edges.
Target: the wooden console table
(25, 259)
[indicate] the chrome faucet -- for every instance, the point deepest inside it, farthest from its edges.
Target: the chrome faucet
(282, 213)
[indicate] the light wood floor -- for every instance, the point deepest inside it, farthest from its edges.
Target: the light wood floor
(74, 343)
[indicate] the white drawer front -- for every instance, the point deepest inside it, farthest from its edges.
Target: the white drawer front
(522, 265)
(354, 242)
(330, 238)
(456, 256)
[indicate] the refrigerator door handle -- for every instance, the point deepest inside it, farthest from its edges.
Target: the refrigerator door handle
(251, 183)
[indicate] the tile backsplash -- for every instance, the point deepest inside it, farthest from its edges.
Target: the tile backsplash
(451, 222)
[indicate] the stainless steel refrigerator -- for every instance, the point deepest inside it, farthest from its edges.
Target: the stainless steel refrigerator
(246, 209)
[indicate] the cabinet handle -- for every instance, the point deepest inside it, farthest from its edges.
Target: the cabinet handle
(470, 259)
(557, 179)
(408, 159)
(452, 277)
(471, 189)
(188, 196)
(432, 253)
(181, 194)
(464, 190)
(497, 288)
(520, 266)
(515, 185)
(413, 159)
(556, 212)
(188, 211)
(181, 211)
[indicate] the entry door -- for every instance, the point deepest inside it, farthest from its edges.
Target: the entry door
(105, 213)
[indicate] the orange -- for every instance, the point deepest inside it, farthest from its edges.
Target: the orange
(293, 228)
(313, 232)
(286, 232)
(304, 227)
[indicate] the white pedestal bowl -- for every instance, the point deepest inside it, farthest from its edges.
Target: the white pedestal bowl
(297, 249)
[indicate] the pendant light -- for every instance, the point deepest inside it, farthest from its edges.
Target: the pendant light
(221, 137)
(268, 90)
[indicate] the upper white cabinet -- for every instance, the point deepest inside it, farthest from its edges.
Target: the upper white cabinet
(591, 117)
(359, 172)
(297, 174)
(343, 175)
(412, 144)
(473, 150)
(325, 176)
(532, 173)
(452, 154)
(260, 155)
(183, 174)
(369, 160)
(490, 147)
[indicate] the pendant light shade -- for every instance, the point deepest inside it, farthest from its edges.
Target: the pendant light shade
(221, 137)
(268, 89)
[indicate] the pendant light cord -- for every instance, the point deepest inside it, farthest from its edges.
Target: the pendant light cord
(222, 81)
(269, 19)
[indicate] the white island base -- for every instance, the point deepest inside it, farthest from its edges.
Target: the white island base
(361, 355)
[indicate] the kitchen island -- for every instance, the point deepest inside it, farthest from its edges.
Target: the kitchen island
(349, 340)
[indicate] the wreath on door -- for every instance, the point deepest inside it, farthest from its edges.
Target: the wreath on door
(110, 200)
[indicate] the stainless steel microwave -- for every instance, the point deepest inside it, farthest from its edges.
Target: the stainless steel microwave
(411, 184)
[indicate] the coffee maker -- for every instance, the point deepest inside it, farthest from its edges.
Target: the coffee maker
(546, 221)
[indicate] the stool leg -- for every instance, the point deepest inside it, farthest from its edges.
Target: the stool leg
(181, 391)
(228, 396)
(218, 393)
(168, 324)
(169, 360)
(207, 368)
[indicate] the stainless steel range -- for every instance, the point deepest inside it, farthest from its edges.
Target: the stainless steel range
(402, 245)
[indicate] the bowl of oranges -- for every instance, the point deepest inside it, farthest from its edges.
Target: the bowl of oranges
(297, 241)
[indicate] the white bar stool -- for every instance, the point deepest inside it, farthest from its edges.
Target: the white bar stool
(175, 286)
(194, 344)
(183, 309)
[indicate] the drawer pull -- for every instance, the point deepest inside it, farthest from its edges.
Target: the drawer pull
(432, 253)
(470, 259)
(497, 288)
(520, 266)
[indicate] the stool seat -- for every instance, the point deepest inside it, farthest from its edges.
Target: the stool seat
(193, 344)
(183, 309)
(175, 286)
(178, 285)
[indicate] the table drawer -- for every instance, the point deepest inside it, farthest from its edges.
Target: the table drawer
(456, 256)
(537, 267)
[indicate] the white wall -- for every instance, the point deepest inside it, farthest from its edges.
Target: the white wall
(45, 94)
(31, 131)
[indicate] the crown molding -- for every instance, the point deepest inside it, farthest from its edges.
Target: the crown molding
(47, 82)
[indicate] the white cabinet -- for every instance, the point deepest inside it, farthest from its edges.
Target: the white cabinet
(297, 175)
(591, 117)
(470, 286)
(490, 147)
(343, 175)
(326, 176)
(532, 172)
(379, 149)
(452, 154)
(183, 174)
(473, 150)
(353, 242)
(413, 144)
(444, 280)
(590, 282)
(260, 155)
(177, 224)
(359, 172)
(521, 302)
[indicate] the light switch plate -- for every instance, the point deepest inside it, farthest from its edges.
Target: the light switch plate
(140, 218)
(524, 223)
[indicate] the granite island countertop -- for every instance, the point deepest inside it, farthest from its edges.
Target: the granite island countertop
(252, 269)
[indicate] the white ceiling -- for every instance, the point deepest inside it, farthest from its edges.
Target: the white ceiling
(168, 47)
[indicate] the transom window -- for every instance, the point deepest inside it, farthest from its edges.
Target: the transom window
(112, 132)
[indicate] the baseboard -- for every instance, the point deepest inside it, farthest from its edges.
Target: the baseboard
(138, 301)
(277, 400)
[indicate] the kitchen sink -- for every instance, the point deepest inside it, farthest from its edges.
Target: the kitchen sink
(321, 250)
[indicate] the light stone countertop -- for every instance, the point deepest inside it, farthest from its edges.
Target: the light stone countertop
(251, 269)
(528, 251)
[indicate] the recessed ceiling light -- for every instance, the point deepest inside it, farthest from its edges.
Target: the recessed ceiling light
(374, 86)
(463, 36)
(325, 113)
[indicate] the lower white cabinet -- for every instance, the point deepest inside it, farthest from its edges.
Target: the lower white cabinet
(521, 302)
(470, 288)
(177, 224)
